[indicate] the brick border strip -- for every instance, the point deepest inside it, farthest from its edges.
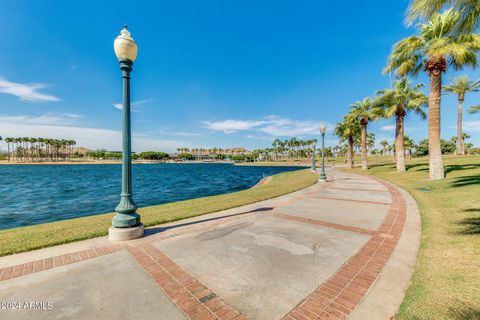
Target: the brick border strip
(23, 269)
(193, 298)
(343, 291)
(353, 200)
(353, 189)
(324, 223)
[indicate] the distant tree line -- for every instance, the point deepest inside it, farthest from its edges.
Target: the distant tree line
(38, 149)
(288, 149)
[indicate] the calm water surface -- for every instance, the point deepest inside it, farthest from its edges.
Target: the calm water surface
(33, 194)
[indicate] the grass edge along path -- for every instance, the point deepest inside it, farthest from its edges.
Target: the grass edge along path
(445, 281)
(23, 239)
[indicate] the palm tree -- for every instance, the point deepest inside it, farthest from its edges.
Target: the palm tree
(384, 144)
(461, 86)
(347, 131)
(370, 141)
(363, 111)
(409, 144)
(469, 12)
(433, 49)
(396, 102)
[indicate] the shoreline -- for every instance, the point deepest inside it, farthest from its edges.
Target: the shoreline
(87, 162)
(19, 239)
(6, 163)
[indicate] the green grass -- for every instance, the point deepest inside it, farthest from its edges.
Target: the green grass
(446, 280)
(50, 234)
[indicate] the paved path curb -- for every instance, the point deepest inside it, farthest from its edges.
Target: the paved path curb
(396, 275)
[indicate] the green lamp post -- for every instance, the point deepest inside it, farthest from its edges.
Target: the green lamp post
(126, 223)
(314, 166)
(323, 177)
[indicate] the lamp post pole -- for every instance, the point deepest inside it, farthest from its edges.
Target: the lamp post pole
(323, 177)
(126, 223)
(314, 166)
(333, 157)
(126, 209)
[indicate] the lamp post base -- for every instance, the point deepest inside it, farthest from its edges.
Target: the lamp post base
(123, 234)
(322, 178)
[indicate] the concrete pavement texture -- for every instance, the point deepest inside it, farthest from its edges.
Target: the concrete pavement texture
(344, 249)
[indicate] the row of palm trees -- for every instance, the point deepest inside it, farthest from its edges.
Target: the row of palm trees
(444, 39)
(212, 151)
(292, 148)
(38, 149)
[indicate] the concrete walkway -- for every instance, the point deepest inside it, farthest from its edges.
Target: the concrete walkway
(337, 250)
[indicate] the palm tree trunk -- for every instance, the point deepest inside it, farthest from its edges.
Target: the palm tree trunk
(460, 148)
(350, 152)
(399, 140)
(434, 148)
(364, 146)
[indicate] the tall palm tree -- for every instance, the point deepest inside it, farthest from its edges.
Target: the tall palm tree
(409, 144)
(396, 102)
(384, 144)
(433, 49)
(461, 86)
(347, 131)
(370, 141)
(363, 111)
(469, 12)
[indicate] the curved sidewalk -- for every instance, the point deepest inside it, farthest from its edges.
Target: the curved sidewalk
(337, 250)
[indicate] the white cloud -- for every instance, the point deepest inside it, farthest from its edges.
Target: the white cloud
(44, 119)
(26, 92)
(179, 133)
(64, 127)
(255, 137)
(231, 126)
(473, 126)
(390, 127)
(134, 106)
(272, 125)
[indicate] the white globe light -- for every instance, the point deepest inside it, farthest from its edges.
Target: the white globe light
(125, 47)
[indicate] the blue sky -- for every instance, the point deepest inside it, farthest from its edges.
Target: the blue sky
(208, 73)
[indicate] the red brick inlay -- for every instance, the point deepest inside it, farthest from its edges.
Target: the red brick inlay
(194, 299)
(324, 223)
(353, 200)
(19, 270)
(353, 189)
(343, 291)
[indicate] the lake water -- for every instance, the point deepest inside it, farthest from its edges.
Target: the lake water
(33, 194)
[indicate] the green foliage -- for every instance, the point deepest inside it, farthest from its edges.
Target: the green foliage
(153, 155)
(421, 149)
(436, 46)
(462, 85)
(185, 156)
(103, 154)
(402, 98)
(469, 12)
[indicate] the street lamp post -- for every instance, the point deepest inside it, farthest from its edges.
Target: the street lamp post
(323, 177)
(126, 224)
(314, 166)
(333, 156)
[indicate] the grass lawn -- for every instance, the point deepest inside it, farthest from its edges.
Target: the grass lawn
(446, 281)
(49, 234)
